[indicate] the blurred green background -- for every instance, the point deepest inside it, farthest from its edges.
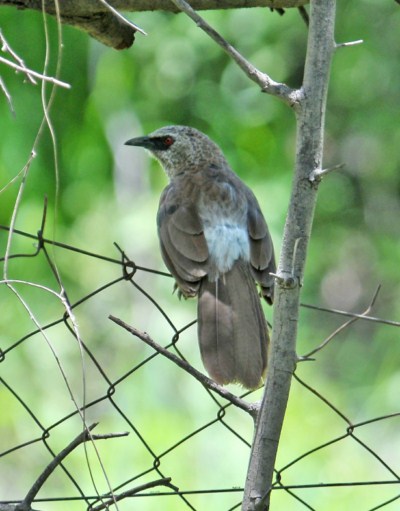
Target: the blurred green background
(100, 192)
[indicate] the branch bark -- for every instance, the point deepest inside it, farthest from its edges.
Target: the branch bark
(82, 7)
(100, 20)
(84, 436)
(267, 84)
(310, 125)
(250, 408)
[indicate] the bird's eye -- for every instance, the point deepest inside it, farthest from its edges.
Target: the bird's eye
(168, 141)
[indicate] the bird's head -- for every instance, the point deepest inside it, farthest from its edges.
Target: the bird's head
(179, 149)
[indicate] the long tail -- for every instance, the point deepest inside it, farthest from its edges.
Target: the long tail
(232, 330)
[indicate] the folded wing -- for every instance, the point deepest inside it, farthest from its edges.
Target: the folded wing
(183, 245)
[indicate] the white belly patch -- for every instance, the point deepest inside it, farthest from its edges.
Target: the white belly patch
(226, 243)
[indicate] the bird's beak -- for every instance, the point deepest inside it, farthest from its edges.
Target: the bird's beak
(145, 142)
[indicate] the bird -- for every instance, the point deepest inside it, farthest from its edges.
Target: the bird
(215, 242)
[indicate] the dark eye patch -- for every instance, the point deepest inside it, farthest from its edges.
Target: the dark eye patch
(162, 143)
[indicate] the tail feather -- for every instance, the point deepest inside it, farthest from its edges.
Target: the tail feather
(232, 329)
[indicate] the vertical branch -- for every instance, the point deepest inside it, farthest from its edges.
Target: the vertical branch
(309, 144)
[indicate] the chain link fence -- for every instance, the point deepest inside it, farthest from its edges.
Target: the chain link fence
(95, 412)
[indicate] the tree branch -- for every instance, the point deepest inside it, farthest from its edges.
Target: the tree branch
(6, 48)
(29, 73)
(165, 481)
(267, 84)
(100, 19)
(84, 436)
(342, 327)
(310, 124)
(4, 89)
(382, 321)
(250, 408)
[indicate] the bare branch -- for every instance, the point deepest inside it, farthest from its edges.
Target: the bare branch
(122, 18)
(199, 5)
(304, 15)
(3, 87)
(352, 315)
(343, 327)
(350, 43)
(7, 48)
(88, 7)
(250, 408)
(97, 18)
(281, 90)
(30, 73)
(165, 481)
(84, 436)
(101, 19)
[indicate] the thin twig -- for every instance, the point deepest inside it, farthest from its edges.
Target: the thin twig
(318, 174)
(352, 315)
(165, 481)
(3, 87)
(29, 72)
(23, 172)
(84, 436)
(304, 15)
(9, 282)
(267, 84)
(343, 327)
(7, 48)
(250, 408)
(349, 43)
(122, 18)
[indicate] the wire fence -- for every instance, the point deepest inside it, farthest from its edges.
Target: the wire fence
(168, 437)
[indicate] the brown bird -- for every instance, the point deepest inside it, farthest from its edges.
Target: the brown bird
(215, 242)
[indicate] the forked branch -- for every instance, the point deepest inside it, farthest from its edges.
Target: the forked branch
(266, 83)
(84, 436)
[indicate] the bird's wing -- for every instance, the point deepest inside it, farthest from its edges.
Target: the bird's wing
(262, 256)
(183, 245)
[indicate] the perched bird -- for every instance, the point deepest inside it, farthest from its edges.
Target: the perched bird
(215, 242)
